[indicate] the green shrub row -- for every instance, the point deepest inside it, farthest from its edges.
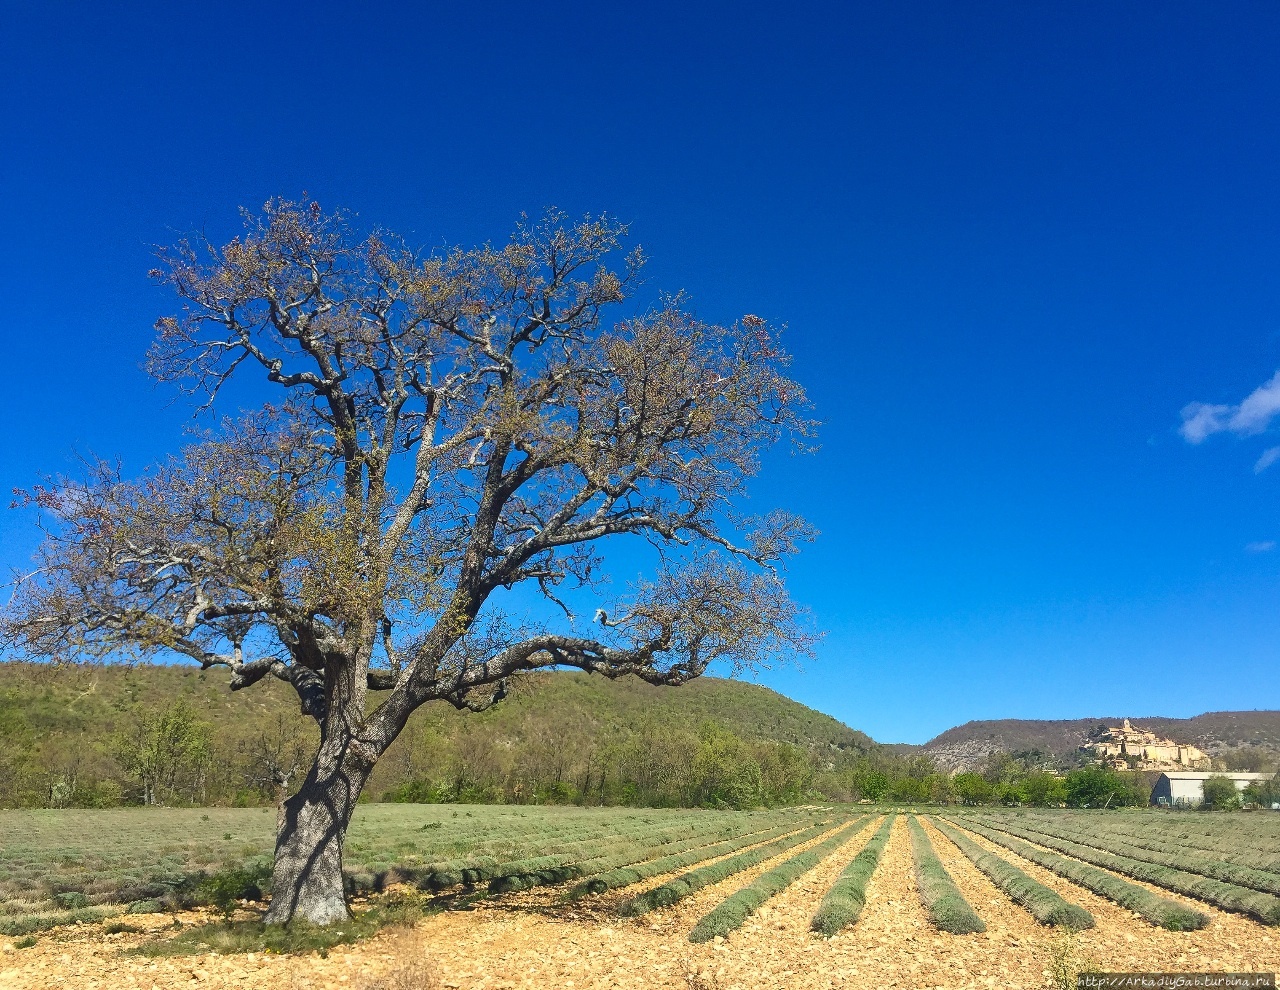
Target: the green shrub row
(683, 886)
(525, 874)
(1156, 909)
(1264, 907)
(551, 862)
(611, 872)
(575, 834)
(844, 901)
(524, 843)
(943, 902)
(624, 875)
(729, 914)
(1046, 905)
(1231, 838)
(1153, 851)
(1217, 831)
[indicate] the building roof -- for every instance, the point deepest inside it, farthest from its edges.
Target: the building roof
(1203, 775)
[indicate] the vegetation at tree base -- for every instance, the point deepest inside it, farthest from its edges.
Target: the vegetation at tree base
(1046, 906)
(1229, 896)
(847, 896)
(398, 910)
(684, 885)
(1156, 909)
(943, 902)
(730, 913)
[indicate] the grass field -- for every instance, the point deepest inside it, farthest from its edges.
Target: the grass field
(967, 875)
(120, 856)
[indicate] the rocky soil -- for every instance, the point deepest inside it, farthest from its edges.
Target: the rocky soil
(536, 941)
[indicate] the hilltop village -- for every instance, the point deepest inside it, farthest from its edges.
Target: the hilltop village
(1125, 747)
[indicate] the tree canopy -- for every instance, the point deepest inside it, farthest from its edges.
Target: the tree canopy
(445, 426)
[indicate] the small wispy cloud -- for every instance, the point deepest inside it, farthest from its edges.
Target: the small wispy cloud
(1269, 457)
(1201, 420)
(1260, 546)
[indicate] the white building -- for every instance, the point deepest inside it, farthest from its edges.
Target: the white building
(1186, 787)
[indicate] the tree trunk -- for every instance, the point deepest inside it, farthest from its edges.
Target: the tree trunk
(306, 881)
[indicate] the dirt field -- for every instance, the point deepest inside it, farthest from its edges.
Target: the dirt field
(534, 940)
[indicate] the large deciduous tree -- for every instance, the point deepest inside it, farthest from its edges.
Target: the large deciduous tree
(444, 427)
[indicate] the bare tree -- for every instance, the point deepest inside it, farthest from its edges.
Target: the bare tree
(273, 759)
(449, 425)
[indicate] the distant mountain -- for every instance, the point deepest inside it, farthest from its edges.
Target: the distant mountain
(1219, 734)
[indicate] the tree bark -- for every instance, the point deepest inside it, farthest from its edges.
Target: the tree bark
(306, 881)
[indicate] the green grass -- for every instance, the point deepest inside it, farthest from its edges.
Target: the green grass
(1158, 910)
(119, 856)
(730, 913)
(943, 902)
(843, 903)
(1046, 906)
(25, 924)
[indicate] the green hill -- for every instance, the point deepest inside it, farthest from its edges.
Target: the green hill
(71, 735)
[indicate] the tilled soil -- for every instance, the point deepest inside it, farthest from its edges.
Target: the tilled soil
(535, 940)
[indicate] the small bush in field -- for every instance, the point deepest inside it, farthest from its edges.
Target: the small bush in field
(223, 890)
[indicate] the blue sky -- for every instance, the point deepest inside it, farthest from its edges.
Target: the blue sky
(1013, 241)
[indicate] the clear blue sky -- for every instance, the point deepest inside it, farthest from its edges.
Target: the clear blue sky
(1013, 242)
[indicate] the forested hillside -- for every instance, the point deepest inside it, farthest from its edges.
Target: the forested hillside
(111, 735)
(102, 736)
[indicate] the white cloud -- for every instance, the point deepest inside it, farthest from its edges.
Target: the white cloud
(1260, 546)
(1199, 420)
(1269, 457)
(1253, 415)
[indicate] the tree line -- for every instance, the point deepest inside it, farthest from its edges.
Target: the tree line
(171, 755)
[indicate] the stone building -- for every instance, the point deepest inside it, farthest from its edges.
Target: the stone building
(1125, 746)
